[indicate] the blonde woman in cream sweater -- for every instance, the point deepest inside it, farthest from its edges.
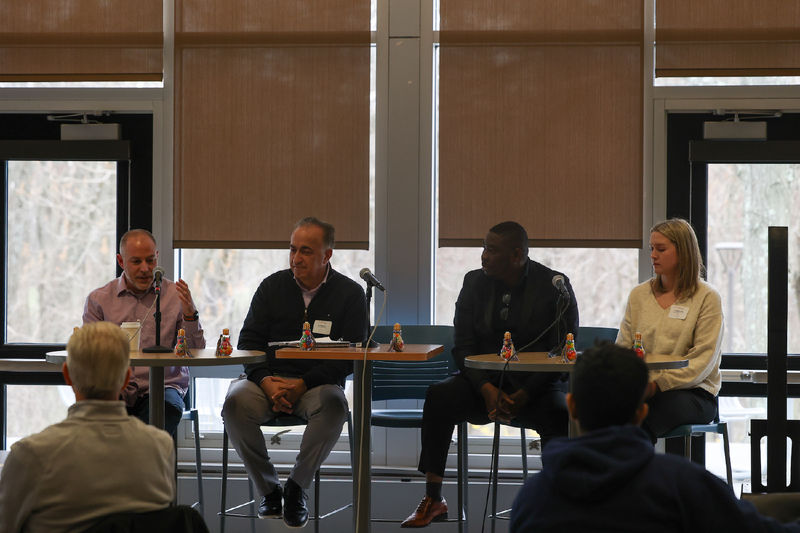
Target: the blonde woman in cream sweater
(677, 314)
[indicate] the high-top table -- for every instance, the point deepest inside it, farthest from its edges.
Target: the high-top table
(362, 405)
(540, 362)
(157, 362)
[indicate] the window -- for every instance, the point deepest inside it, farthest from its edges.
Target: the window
(601, 279)
(223, 282)
(476, 40)
(743, 200)
(61, 234)
(732, 191)
(67, 204)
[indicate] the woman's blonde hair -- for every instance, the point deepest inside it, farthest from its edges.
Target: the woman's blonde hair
(690, 262)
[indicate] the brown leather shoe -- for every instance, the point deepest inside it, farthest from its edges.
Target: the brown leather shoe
(427, 511)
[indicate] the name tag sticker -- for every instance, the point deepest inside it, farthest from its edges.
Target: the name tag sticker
(679, 312)
(322, 327)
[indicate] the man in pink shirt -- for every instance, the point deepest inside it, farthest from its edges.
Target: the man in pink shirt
(131, 298)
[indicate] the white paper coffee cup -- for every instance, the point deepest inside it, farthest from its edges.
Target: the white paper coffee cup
(131, 329)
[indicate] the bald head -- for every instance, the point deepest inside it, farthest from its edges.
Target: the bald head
(135, 234)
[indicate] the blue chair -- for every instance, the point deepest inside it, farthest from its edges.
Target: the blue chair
(687, 431)
(191, 414)
(410, 381)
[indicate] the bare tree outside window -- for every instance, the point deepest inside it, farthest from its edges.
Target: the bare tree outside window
(743, 201)
(61, 237)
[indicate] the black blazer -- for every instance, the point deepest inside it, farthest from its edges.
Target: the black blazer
(532, 309)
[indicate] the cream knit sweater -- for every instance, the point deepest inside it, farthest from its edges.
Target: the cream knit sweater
(691, 329)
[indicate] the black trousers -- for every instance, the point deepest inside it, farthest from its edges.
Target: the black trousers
(454, 401)
(676, 407)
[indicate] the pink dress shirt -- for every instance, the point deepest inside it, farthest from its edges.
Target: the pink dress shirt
(114, 302)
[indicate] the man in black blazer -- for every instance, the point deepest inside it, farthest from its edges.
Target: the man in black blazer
(509, 293)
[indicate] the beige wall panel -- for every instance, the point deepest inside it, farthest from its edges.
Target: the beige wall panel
(726, 15)
(272, 15)
(728, 59)
(550, 136)
(266, 136)
(70, 63)
(727, 37)
(80, 16)
(43, 40)
(541, 15)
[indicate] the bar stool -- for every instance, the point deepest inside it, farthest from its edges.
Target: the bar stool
(191, 414)
(280, 421)
(194, 417)
(687, 431)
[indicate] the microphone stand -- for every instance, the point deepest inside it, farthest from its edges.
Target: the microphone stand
(561, 306)
(372, 343)
(156, 401)
(157, 348)
(362, 404)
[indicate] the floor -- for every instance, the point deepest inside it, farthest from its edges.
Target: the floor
(390, 498)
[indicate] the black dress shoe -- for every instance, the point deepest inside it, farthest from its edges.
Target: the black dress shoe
(271, 504)
(295, 511)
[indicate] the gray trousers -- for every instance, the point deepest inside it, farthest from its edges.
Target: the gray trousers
(247, 407)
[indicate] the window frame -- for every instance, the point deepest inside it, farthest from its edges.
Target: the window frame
(32, 136)
(687, 158)
(39, 142)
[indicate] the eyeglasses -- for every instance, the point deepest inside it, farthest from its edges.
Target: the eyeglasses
(506, 303)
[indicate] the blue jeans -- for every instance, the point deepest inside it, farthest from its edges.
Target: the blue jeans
(173, 409)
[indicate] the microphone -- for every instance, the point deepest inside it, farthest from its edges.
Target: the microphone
(370, 278)
(562, 304)
(558, 283)
(158, 274)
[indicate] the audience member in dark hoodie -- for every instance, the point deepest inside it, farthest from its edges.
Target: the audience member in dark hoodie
(610, 479)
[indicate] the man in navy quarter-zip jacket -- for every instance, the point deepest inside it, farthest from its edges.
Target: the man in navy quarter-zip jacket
(609, 478)
(334, 306)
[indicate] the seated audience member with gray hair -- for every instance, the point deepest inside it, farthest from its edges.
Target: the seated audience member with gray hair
(99, 460)
(609, 478)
